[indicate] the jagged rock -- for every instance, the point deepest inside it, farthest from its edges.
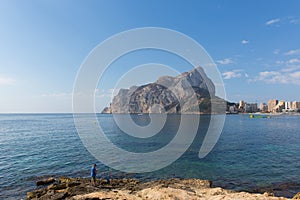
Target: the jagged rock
(190, 92)
(31, 195)
(132, 189)
(72, 184)
(57, 186)
(45, 181)
(36, 193)
(269, 194)
(54, 196)
(64, 179)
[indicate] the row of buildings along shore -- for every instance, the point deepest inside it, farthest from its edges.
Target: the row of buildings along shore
(273, 106)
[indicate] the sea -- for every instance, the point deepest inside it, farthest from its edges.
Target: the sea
(252, 154)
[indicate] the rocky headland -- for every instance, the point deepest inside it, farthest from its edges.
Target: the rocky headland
(131, 189)
(190, 92)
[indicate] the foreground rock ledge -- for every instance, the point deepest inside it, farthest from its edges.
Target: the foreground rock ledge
(131, 189)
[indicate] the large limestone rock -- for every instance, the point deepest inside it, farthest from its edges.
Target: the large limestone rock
(186, 93)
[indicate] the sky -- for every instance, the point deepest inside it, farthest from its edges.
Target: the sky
(255, 45)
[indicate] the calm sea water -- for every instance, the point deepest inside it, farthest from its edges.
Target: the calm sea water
(250, 154)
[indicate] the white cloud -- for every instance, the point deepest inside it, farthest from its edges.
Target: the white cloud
(232, 74)
(296, 75)
(290, 69)
(280, 77)
(272, 21)
(292, 52)
(288, 63)
(245, 41)
(225, 61)
(284, 21)
(6, 81)
(293, 61)
(271, 77)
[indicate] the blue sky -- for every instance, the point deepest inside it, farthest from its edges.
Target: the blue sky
(255, 44)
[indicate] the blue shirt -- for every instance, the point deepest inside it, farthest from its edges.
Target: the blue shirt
(93, 171)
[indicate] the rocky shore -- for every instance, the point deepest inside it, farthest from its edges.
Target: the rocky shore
(131, 189)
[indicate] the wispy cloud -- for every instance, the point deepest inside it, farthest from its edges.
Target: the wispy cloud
(7, 81)
(225, 61)
(290, 20)
(276, 51)
(245, 41)
(289, 75)
(271, 77)
(290, 69)
(272, 21)
(293, 61)
(294, 20)
(288, 63)
(232, 74)
(57, 95)
(292, 52)
(106, 93)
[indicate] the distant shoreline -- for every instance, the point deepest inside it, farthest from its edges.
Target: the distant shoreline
(273, 114)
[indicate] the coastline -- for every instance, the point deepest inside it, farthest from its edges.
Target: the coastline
(132, 189)
(204, 113)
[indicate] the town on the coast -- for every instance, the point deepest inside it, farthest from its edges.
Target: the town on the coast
(273, 106)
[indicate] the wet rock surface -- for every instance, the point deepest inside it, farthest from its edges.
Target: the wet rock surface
(45, 181)
(83, 189)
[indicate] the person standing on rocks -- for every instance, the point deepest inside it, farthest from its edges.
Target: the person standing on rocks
(93, 174)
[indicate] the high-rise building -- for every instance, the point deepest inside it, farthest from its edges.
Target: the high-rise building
(263, 107)
(271, 105)
(279, 107)
(295, 105)
(250, 107)
(242, 105)
(288, 105)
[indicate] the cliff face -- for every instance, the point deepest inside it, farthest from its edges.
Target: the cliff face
(167, 95)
